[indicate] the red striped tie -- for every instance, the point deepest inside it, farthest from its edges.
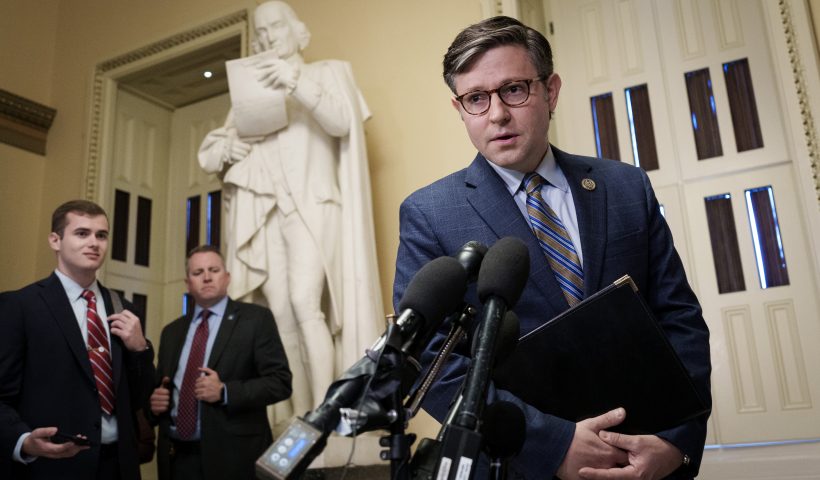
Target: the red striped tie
(99, 354)
(188, 408)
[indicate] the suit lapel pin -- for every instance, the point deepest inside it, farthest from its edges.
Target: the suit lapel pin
(588, 184)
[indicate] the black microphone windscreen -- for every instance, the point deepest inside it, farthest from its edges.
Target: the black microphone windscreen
(436, 290)
(470, 257)
(507, 340)
(507, 336)
(504, 271)
(504, 429)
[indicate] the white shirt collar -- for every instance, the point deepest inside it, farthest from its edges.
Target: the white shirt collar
(217, 309)
(74, 290)
(548, 168)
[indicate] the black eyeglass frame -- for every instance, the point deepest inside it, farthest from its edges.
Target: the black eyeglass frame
(527, 82)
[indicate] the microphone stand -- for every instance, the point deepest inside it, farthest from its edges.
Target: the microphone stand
(380, 383)
(393, 365)
(498, 469)
(456, 334)
(427, 453)
(394, 414)
(398, 442)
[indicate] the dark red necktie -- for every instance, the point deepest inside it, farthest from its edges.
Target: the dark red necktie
(188, 408)
(99, 354)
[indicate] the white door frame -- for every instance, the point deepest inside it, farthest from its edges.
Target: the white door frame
(106, 77)
(798, 72)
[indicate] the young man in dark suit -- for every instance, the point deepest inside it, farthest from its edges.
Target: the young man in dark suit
(586, 222)
(219, 367)
(70, 366)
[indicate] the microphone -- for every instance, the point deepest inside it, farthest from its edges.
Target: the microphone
(436, 290)
(501, 280)
(470, 257)
(507, 341)
(427, 454)
(504, 430)
(508, 336)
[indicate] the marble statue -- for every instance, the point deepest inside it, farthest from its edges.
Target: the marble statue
(299, 223)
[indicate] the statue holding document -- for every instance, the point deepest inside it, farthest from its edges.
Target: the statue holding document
(299, 234)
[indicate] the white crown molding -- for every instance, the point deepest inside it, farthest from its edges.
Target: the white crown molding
(103, 87)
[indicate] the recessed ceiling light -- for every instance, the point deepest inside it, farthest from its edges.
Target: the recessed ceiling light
(207, 74)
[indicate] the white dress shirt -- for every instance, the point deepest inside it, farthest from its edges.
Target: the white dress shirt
(555, 192)
(214, 321)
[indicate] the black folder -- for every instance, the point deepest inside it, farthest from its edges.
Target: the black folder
(607, 351)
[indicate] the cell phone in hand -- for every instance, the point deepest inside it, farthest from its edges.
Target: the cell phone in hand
(61, 437)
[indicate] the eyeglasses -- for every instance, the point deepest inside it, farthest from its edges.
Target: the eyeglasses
(512, 94)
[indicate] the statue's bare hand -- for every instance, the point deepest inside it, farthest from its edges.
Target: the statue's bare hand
(276, 73)
(239, 150)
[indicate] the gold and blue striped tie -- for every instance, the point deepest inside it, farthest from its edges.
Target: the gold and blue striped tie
(555, 241)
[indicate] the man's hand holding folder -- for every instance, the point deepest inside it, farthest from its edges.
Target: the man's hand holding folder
(606, 352)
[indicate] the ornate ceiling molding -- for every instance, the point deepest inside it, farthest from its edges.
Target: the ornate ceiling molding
(24, 123)
(103, 71)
